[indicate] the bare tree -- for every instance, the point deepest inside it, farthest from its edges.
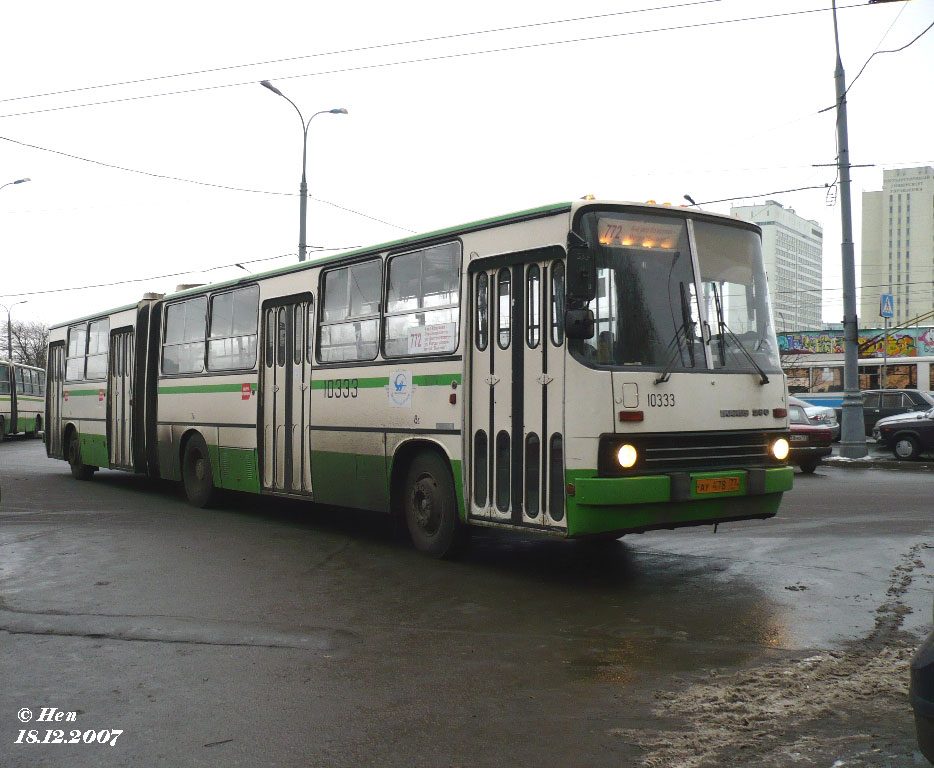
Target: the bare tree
(29, 340)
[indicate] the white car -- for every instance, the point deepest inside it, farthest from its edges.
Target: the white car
(820, 415)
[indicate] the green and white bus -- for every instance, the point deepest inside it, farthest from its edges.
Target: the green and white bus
(586, 369)
(22, 399)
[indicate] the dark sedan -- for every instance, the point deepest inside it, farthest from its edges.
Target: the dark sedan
(908, 436)
(879, 403)
(807, 443)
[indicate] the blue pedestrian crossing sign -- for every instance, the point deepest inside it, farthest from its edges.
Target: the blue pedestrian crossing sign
(885, 305)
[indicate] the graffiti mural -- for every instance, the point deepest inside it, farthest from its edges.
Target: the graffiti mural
(906, 342)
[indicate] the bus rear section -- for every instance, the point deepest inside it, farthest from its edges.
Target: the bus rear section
(97, 403)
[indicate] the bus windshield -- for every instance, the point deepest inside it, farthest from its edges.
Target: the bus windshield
(653, 311)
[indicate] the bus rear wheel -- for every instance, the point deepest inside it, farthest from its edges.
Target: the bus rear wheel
(197, 475)
(79, 471)
(430, 507)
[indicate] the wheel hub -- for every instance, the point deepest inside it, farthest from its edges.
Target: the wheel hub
(426, 514)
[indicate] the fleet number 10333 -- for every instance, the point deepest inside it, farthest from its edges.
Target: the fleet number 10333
(665, 400)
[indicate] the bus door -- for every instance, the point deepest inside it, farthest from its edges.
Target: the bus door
(54, 394)
(120, 398)
(285, 395)
(517, 391)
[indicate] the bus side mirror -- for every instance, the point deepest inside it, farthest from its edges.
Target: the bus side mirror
(579, 323)
(581, 276)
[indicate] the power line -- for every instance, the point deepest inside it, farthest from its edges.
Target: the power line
(444, 57)
(166, 276)
(763, 194)
(198, 183)
(362, 49)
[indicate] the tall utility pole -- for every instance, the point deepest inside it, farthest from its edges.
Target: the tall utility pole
(852, 430)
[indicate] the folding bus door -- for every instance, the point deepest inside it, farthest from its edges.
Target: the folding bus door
(285, 395)
(54, 392)
(517, 391)
(120, 398)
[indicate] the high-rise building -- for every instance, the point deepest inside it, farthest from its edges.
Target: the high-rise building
(792, 248)
(898, 246)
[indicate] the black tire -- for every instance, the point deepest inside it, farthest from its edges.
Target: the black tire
(2, 429)
(906, 448)
(79, 471)
(197, 475)
(809, 466)
(430, 507)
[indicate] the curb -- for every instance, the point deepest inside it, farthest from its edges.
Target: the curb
(880, 462)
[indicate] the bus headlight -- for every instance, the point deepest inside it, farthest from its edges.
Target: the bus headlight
(780, 449)
(626, 456)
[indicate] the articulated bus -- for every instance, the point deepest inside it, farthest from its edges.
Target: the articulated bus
(818, 378)
(22, 399)
(586, 369)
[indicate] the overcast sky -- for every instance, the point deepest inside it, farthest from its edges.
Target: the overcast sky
(456, 112)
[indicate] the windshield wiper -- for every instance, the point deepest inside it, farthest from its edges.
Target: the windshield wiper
(687, 329)
(722, 326)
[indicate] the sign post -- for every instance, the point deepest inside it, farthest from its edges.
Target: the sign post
(885, 310)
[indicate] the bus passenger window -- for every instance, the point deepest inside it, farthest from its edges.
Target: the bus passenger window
(349, 323)
(270, 337)
(504, 307)
(4, 379)
(483, 311)
(556, 478)
(309, 333)
(532, 465)
(98, 341)
(183, 348)
(282, 336)
(77, 348)
(532, 304)
(422, 297)
(298, 317)
(233, 325)
(479, 468)
(503, 468)
(557, 303)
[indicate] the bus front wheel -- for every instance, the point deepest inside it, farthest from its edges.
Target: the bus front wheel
(197, 476)
(431, 507)
(78, 470)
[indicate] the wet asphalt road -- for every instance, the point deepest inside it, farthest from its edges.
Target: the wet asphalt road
(280, 634)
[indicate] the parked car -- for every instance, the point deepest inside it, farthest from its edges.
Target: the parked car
(907, 435)
(879, 403)
(819, 416)
(921, 696)
(807, 443)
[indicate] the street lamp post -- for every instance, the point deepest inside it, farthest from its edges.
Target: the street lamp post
(303, 187)
(9, 334)
(9, 327)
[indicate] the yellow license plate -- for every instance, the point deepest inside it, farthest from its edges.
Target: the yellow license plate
(716, 484)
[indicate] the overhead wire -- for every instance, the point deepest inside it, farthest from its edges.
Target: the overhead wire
(442, 57)
(239, 263)
(365, 48)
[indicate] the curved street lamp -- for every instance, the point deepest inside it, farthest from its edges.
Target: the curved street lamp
(9, 309)
(303, 187)
(18, 181)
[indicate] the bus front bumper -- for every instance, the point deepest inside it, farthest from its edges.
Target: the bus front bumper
(630, 504)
